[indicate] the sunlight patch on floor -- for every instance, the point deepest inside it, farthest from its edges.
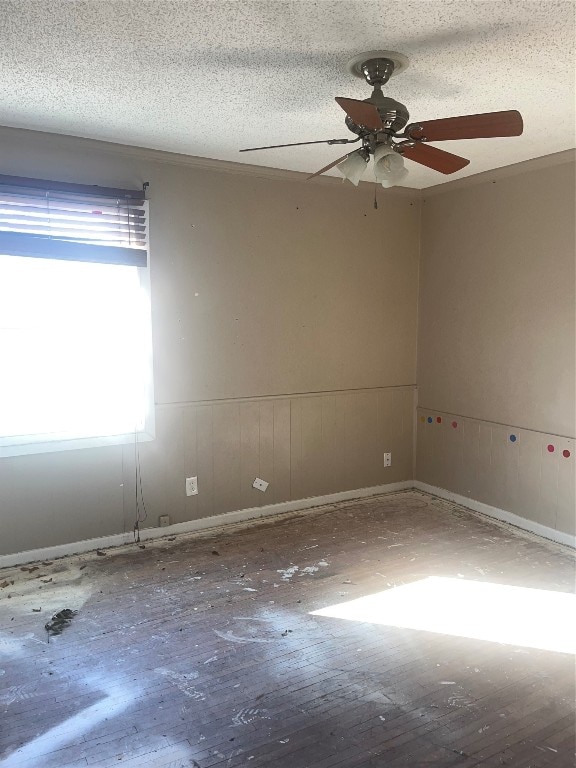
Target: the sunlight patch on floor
(33, 753)
(533, 618)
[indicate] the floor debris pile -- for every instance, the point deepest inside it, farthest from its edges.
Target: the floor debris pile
(59, 622)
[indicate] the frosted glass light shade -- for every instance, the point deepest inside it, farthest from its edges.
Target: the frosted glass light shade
(388, 166)
(352, 168)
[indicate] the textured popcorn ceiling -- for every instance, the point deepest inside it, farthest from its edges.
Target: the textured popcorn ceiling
(207, 78)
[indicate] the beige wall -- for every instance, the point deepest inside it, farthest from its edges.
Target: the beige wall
(496, 314)
(302, 289)
(497, 342)
(296, 361)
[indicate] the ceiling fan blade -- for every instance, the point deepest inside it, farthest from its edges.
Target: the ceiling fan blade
(485, 126)
(302, 143)
(438, 159)
(361, 113)
(327, 167)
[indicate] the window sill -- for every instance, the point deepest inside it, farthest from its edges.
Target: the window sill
(53, 446)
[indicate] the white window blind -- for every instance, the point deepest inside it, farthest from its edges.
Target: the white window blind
(72, 222)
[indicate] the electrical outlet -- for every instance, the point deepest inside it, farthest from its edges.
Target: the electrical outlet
(191, 486)
(163, 521)
(387, 459)
(260, 485)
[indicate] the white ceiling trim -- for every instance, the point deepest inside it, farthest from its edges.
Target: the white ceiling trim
(94, 146)
(63, 142)
(506, 172)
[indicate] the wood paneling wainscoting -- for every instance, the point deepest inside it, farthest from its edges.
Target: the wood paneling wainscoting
(527, 473)
(304, 446)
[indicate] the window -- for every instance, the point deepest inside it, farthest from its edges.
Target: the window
(75, 334)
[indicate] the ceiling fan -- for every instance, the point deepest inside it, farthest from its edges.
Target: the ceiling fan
(380, 123)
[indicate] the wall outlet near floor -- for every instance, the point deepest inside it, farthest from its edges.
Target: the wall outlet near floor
(387, 459)
(163, 521)
(260, 485)
(191, 486)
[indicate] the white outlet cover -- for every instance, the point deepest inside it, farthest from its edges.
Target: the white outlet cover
(260, 485)
(387, 459)
(191, 486)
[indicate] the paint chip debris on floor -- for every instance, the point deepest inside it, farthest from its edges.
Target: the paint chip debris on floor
(238, 646)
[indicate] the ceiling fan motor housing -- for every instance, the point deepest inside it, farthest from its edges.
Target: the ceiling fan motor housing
(394, 115)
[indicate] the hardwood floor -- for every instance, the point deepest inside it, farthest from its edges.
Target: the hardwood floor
(204, 650)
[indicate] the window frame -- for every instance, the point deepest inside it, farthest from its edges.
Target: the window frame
(35, 444)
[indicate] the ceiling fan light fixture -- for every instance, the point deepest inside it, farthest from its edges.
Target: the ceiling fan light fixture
(354, 166)
(389, 167)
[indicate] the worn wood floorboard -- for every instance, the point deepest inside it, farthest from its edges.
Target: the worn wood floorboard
(202, 650)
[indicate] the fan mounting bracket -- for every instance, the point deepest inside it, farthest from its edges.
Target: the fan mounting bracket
(377, 67)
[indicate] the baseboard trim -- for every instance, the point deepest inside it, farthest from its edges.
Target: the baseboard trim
(499, 514)
(216, 521)
(270, 510)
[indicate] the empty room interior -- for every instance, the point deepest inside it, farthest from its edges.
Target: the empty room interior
(287, 391)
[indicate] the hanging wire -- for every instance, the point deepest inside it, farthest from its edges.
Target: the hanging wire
(140, 504)
(141, 513)
(375, 200)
